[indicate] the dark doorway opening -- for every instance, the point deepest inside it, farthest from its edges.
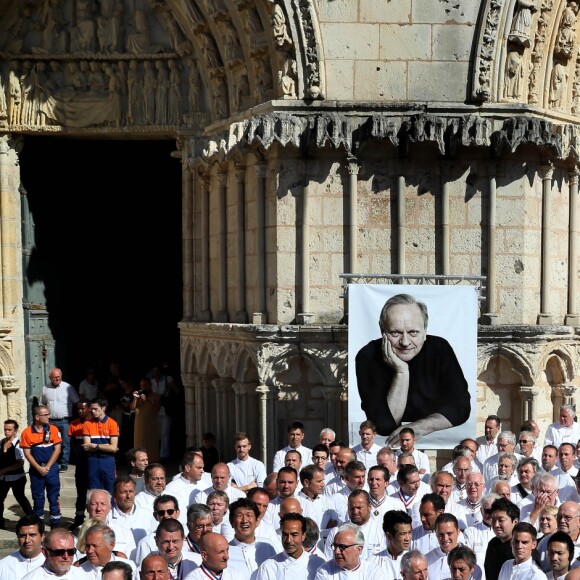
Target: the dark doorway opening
(107, 223)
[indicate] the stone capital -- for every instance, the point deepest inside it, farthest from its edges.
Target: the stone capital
(9, 384)
(528, 393)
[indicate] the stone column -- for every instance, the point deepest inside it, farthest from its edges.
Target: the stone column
(222, 248)
(260, 317)
(204, 314)
(562, 394)
(187, 225)
(305, 316)
(332, 406)
(239, 178)
(547, 172)
(242, 392)
(266, 396)
(191, 408)
(203, 422)
(353, 169)
(223, 413)
(445, 249)
(401, 221)
(529, 396)
(573, 315)
(491, 316)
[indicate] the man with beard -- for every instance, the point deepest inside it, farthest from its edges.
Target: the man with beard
(59, 552)
(154, 476)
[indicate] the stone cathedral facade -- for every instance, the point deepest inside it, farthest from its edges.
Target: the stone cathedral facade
(422, 138)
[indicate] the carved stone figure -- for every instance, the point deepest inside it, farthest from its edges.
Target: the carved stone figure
(121, 75)
(84, 36)
(242, 92)
(219, 98)
(27, 93)
(54, 29)
(514, 76)
(567, 32)
(114, 92)
(109, 25)
(264, 76)
(3, 100)
(521, 29)
(79, 76)
(162, 93)
(209, 51)
(279, 26)
(173, 31)
(231, 38)
(174, 99)
(139, 36)
(193, 88)
(136, 110)
(558, 85)
(98, 83)
(287, 79)
(15, 97)
(149, 88)
(575, 108)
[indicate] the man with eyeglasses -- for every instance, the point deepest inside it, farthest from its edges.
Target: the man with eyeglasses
(155, 483)
(461, 469)
(99, 550)
(471, 505)
(527, 446)
(59, 397)
(165, 507)
(506, 443)
(30, 534)
(568, 519)
(199, 523)
(99, 508)
(320, 458)
(41, 445)
(347, 548)
(294, 559)
(59, 552)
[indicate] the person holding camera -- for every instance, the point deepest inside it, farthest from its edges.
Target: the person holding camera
(146, 405)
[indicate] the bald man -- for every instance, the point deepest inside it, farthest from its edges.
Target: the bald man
(154, 567)
(214, 560)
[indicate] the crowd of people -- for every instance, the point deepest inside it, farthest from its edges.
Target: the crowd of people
(506, 505)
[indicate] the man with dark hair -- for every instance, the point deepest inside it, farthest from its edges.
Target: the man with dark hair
(246, 471)
(75, 433)
(199, 523)
(155, 482)
(117, 570)
(354, 478)
(101, 442)
(265, 529)
(462, 563)
(246, 551)
(344, 456)
(138, 461)
(523, 543)
(549, 458)
(387, 458)
(124, 513)
(320, 456)
(333, 448)
(189, 482)
(381, 502)
(40, 444)
(560, 555)
(30, 534)
(504, 516)
(169, 538)
(408, 377)
(165, 507)
(487, 444)
(287, 482)
(294, 559)
(366, 451)
(397, 529)
(408, 439)
(430, 508)
(295, 438)
(409, 490)
(314, 504)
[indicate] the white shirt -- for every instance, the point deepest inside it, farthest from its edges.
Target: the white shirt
(137, 521)
(389, 566)
(375, 540)
(184, 492)
(556, 434)
(266, 531)
(365, 571)
(145, 499)
(15, 566)
(438, 568)
(227, 574)
(232, 493)
(368, 457)
(485, 448)
(421, 462)
(124, 541)
(305, 453)
(524, 571)
(94, 572)
(477, 537)
(319, 509)
(244, 472)
(59, 400)
(381, 507)
(42, 573)
(245, 558)
(282, 566)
